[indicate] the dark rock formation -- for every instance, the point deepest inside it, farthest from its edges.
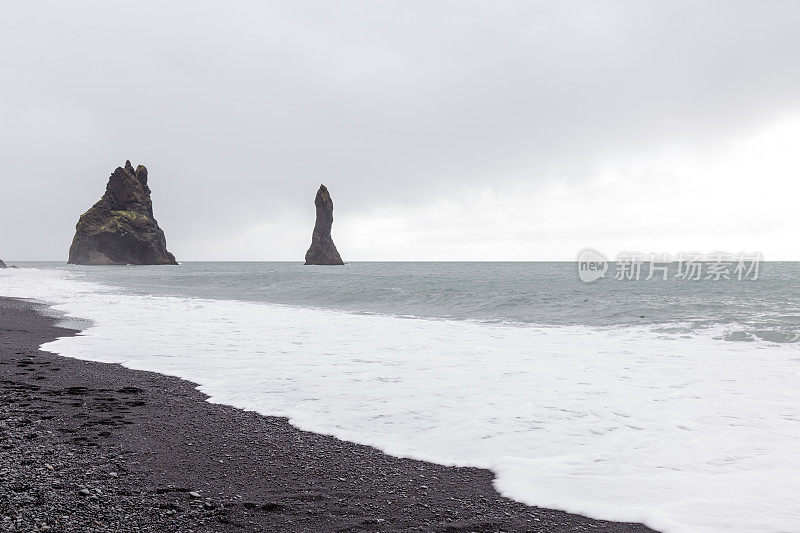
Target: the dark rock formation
(322, 250)
(120, 228)
(2, 265)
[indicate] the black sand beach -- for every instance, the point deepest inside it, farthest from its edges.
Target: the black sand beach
(96, 447)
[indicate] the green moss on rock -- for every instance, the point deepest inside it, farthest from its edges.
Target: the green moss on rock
(120, 228)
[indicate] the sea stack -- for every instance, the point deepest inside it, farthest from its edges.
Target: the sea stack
(120, 228)
(322, 250)
(2, 265)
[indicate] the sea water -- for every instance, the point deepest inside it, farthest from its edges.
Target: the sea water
(674, 403)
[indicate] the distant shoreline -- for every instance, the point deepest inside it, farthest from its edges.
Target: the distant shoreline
(146, 441)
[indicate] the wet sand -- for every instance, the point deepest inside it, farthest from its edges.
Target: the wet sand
(96, 447)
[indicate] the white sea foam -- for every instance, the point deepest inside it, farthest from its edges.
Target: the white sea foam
(685, 434)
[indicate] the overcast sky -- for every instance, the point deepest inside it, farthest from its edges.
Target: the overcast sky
(444, 130)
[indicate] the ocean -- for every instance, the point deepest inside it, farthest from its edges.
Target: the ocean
(669, 402)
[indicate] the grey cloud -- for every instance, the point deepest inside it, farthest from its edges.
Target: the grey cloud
(240, 111)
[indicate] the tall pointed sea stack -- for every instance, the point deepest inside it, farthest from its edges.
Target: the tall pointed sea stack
(322, 250)
(120, 229)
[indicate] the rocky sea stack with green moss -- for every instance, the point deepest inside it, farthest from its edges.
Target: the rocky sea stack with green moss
(120, 228)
